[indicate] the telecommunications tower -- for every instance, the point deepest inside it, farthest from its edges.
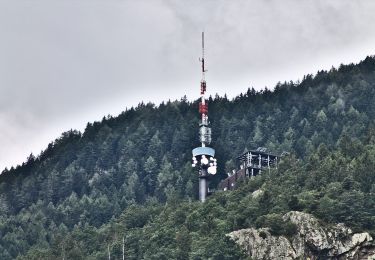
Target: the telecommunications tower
(203, 156)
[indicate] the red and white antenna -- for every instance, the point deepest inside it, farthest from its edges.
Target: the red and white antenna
(203, 156)
(205, 131)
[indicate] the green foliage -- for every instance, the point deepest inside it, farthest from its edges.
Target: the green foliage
(276, 225)
(130, 176)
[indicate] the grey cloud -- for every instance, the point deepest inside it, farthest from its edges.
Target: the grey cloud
(65, 62)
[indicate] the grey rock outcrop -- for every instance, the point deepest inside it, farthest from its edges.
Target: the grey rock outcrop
(312, 241)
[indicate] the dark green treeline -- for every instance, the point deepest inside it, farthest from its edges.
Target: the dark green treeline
(131, 175)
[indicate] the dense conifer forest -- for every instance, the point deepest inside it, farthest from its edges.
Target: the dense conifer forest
(130, 176)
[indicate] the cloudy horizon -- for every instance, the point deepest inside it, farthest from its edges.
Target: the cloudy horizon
(65, 63)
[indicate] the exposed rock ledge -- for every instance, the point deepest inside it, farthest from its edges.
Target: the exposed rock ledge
(312, 241)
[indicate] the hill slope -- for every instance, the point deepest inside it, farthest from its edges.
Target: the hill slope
(82, 181)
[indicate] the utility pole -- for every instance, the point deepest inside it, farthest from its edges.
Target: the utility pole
(123, 248)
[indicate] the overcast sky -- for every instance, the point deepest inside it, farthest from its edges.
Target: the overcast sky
(66, 62)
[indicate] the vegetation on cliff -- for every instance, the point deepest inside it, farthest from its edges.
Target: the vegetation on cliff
(130, 176)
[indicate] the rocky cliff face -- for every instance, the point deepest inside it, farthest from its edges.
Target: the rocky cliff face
(312, 241)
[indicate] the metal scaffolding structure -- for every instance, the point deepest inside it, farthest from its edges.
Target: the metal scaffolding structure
(252, 163)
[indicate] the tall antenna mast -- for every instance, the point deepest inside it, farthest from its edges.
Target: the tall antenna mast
(203, 157)
(203, 70)
(203, 106)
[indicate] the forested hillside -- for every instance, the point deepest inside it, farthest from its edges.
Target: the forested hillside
(131, 175)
